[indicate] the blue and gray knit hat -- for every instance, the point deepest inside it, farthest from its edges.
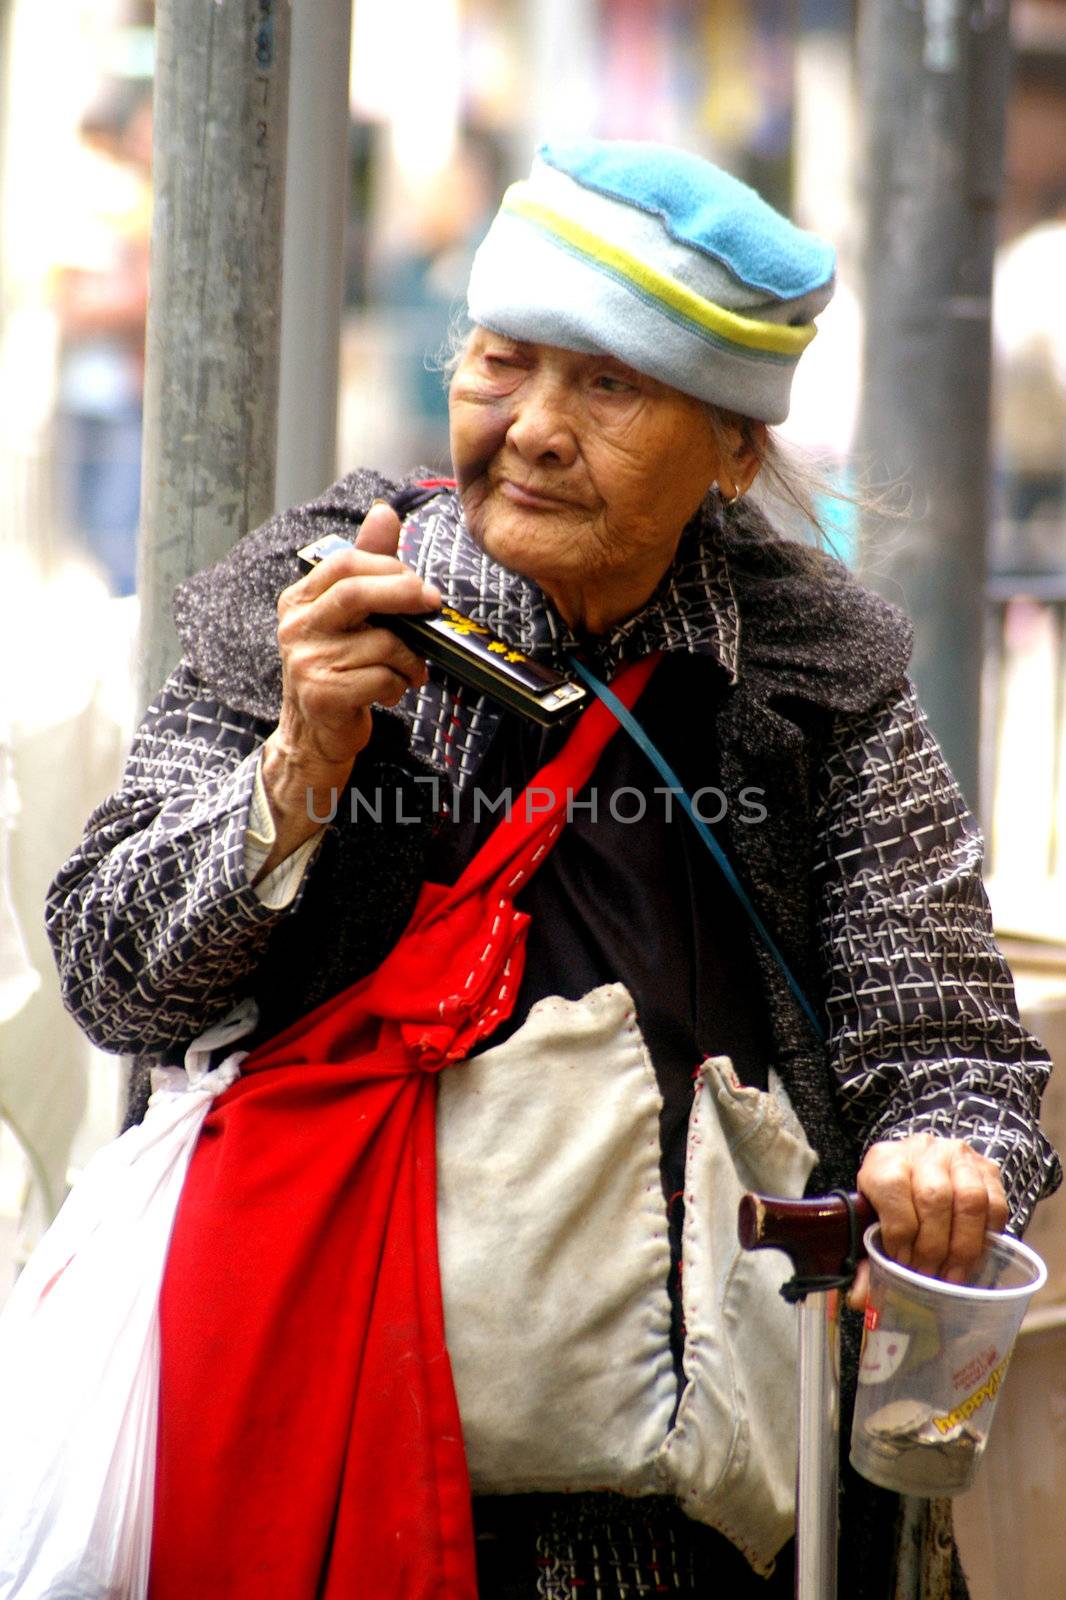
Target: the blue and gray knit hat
(661, 259)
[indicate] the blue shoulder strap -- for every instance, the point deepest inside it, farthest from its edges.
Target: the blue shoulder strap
(659, 761)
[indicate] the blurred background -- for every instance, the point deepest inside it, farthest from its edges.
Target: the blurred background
(447, 99)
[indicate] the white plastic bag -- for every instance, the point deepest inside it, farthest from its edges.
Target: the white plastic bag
(79, 1353)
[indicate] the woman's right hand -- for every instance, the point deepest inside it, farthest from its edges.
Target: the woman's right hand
(335, 668)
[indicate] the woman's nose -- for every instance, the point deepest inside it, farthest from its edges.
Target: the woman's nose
(542, 427)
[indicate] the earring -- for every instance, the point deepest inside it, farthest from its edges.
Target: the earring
(728, 499)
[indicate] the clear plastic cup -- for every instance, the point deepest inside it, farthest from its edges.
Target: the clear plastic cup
(934, 1355)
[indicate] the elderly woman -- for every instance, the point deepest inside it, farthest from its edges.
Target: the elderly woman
(641, 1054)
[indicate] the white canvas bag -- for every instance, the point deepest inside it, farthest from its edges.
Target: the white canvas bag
(555, 1259)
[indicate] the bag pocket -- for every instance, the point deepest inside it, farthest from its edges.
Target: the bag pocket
(731, 1456)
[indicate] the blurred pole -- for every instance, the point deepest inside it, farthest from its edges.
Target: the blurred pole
(316, 215)
(211, 382)
(5, 68)
(562, 54)
(823, 140)
(933, 85)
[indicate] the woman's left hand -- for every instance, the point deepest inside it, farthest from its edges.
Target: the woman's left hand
(935, 1199)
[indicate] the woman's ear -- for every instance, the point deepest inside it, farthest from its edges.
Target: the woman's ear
(747, 440)
(751, 449)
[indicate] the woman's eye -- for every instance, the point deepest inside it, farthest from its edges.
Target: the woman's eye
(609, 383)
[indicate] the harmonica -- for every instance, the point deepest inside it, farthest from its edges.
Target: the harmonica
(472, 653)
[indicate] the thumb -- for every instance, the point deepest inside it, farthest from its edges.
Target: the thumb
(380, 532)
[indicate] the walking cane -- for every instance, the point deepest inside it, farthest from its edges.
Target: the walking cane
(823, 1238)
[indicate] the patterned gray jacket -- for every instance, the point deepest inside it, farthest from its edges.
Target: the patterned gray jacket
(868, 866)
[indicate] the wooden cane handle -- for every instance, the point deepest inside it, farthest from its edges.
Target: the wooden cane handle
(816, 1233)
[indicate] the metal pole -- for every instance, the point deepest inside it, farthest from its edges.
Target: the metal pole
(316, 213)
(933, 80)
(817, 1469)
(211, 383)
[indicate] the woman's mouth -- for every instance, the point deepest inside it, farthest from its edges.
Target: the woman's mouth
(531, 499)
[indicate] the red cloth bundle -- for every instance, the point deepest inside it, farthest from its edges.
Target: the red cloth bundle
(309, 1437)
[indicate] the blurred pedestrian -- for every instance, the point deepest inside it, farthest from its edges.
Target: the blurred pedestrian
(101, 300)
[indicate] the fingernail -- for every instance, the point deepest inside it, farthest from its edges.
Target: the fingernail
(956, 1275)
(431, 594)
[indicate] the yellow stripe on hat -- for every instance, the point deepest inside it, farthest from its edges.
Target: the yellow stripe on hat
(774, 337)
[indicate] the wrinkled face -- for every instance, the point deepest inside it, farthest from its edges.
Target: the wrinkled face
(577, 471)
